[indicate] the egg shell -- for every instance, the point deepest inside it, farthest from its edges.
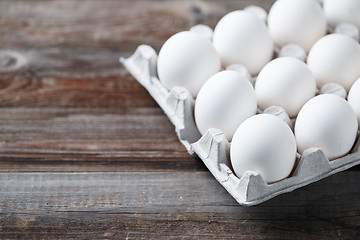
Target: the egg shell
(213, 148)
(242, 38)
(224, 102)
(327, 122)
(300, 22)
(187, 59)
(354, 99)
(263, 143)
(335, 58)
(242, 70)
(342, 11)
(285, 82)
(280, 113)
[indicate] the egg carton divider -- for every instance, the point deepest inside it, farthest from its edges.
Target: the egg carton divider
(177, 104)
(213, 148)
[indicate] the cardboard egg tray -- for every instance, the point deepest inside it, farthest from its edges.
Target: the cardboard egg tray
(213, 148)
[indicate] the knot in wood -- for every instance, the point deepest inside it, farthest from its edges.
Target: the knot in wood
(11, 61)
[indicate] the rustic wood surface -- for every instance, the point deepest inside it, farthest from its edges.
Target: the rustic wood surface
(85, 152)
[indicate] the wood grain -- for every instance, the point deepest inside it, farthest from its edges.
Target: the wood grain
(158, 206)
(85, 152)
(126, 138)
(124, 23)
(71, 78)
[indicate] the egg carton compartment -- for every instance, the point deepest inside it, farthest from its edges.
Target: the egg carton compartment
(213, 148)
(177, 104)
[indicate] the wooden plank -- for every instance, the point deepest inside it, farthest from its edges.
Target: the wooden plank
(161, 206)
(129, 138)
(124, 24)
(65, 53)
(68, 77)
(85, 152)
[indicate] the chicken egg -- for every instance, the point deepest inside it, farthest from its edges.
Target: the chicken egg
(242, 38)
(187, 59)
(224, 102)
(335, 58)
(354, 98)
(341, 11)
(300, 22)
(327, 122)
(285, 82)
(263, 143)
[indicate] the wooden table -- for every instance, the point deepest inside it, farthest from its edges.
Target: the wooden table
(86, 153)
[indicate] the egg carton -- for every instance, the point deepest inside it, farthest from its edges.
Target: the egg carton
(213, 148)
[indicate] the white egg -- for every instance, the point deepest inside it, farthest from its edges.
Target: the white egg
(300, 22)
(327, 122)
(354, 98)
(224, 102)
(263, 143)
(187, 59)
(335, 58)
(242, 38)
(341, 11)
(285, 82)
